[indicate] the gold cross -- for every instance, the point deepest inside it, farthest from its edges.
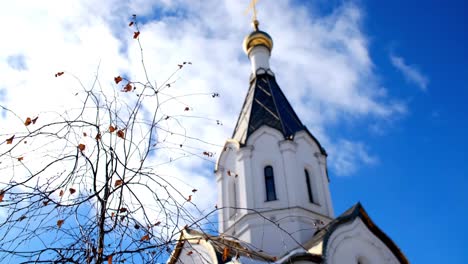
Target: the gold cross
(252, 6)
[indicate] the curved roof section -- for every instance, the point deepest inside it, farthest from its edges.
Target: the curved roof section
(266, 104)
(348, 216)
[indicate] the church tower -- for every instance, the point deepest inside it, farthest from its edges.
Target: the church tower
(272, 175)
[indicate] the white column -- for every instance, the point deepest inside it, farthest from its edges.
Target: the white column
(259, 58)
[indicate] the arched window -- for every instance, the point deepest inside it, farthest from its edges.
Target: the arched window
(309, 186)
(269, 183)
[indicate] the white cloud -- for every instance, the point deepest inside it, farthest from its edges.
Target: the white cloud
(410, 72)
(349, 156)
(322, 64)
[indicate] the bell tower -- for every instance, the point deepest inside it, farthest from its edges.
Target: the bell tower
(272, 178)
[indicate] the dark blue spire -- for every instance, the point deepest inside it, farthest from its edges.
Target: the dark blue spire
(266, 104)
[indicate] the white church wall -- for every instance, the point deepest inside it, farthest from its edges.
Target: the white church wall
(292, 210)
(196, 254)
(309, 157)
(354, 242)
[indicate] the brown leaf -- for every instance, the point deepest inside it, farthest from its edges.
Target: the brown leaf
(81, 147)
(187, 108)
(117, 79)
(10, 140)
(225, 253)
(20, 158)
(120, 134)
(229, 173)
(72, 191)
(118, 183)
(45, 203)
(2, 194)
(127, 88)
(189, 198)
(145, 237)
(109, 259)
(60, 223)
(112, 128)
(59, 74)
(98, 136)
(157, 223)
(136, 34)
(189, 253)
(28, 121)
(61, 193)
(85, 134)
(130, 24)
(34, 120)
(194, 190)
(123, 210)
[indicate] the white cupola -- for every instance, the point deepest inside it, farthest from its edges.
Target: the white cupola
(272, 175)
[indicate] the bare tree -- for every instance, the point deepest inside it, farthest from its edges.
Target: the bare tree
(78, 186)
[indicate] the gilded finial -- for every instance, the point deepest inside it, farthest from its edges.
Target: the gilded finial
(252, 6)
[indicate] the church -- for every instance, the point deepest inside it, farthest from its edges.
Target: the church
(274, 199)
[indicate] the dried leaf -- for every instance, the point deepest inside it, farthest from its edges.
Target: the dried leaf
(157, 223)
(109, 259)
(72, 191)
(61, 193)
(145, 237)
(189, 253)
(60, 223)
(187, 108)
(118, 183)
(120, 134)
(85, 134)
(81, 147)
(45, 203)
(20, 158)
(98, 136)
(136, 34)
(2, 194)
(208, 154)
(229, 173)
(123, 210)
(118, 79)
(130, 24)
(34, 120)
(194, 190)
(189, 198)
(10, 140)
(127, 88)
(225, 253)
(59, 74)
(28, 121)
(112, 129)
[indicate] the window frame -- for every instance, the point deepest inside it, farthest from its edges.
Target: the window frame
(270, 189)
(310, 191)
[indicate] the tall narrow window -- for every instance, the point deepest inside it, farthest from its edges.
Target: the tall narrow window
(270, 183)
(309, 186)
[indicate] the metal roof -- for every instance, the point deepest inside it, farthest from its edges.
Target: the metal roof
(266, 104)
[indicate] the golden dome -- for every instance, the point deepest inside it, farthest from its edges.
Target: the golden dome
(257, 38)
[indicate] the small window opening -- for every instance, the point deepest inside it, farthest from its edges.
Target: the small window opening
(309, 186)
(269, 183)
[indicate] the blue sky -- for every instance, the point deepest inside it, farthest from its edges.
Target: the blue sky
(417, 192)
(381, 84)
